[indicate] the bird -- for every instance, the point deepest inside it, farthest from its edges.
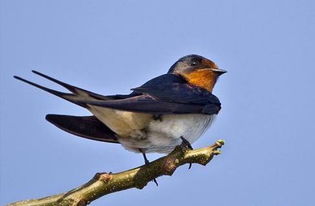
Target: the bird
(166, 111)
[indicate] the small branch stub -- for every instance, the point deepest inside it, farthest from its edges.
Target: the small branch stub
(105, 183)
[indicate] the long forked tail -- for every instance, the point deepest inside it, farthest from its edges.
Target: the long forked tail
(76, 96)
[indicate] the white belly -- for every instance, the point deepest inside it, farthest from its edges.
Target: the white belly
(140, 131)
(163, 136)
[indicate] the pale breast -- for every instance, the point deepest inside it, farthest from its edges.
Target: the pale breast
(163, 135)
(169, 131)
(190, 126)
(142, 131)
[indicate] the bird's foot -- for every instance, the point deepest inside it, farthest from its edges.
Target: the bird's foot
(186, 144)
(146, 162)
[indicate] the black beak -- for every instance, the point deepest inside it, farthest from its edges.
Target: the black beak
(218, 71)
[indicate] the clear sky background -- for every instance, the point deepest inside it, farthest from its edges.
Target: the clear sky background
(267, 118)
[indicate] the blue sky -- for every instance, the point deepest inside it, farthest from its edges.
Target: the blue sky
(267, 117)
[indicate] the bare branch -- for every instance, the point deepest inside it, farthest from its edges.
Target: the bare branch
(105, 183)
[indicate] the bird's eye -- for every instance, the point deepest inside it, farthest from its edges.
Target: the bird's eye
(193, 63)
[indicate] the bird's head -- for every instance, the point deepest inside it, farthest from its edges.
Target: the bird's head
(197, 71)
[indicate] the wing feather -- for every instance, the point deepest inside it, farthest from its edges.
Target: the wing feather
(86, 126)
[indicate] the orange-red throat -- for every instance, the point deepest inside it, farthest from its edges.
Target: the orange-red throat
(204, 78)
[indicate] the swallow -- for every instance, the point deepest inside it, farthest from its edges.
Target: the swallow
(167, 110)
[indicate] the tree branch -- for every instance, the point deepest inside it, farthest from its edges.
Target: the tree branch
(105, 183)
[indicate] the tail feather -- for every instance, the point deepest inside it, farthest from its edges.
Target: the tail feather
(71, 88)
(83, 126)
(67, 96)
(65, 85)
(77, 96)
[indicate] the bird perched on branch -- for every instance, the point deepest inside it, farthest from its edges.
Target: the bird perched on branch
(156, 117)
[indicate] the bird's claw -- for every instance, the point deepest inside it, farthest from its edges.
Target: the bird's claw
(146, 162)
(186, 143)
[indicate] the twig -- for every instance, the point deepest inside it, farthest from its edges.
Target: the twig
(105, 183)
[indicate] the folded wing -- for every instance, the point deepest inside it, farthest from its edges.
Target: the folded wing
(87, 126)
(166, 94)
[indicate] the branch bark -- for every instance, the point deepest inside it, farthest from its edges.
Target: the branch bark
(105, 183)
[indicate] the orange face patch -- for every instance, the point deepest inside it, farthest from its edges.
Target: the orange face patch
(203, 78)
